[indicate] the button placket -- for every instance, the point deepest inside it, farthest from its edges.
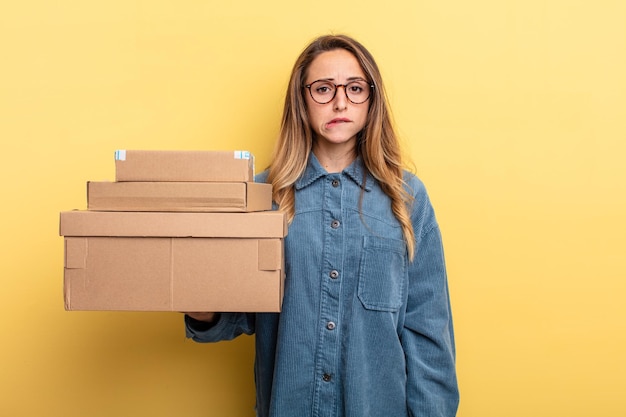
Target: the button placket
(327, 360)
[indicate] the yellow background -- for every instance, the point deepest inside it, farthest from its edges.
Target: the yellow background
(514, 113)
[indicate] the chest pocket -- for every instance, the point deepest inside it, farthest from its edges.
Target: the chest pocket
(382, 274)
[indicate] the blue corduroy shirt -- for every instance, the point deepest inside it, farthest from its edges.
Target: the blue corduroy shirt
(363, 332)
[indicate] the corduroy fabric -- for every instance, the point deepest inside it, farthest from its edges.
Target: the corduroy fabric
(363, 332)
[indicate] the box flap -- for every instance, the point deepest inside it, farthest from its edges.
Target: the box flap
(270, 254)
(259, 195)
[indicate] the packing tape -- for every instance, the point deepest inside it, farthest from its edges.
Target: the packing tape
(242, 155)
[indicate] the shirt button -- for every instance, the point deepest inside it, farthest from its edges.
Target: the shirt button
(335, 224)
(326, 377)
(331, 325)
(335, 183)
(334, 274)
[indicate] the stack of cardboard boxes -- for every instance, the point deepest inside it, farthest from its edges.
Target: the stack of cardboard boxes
(176, 231)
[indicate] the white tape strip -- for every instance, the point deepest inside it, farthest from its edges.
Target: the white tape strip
(242, 155)
(120, 155)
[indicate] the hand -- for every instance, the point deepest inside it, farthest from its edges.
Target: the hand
(206, 317)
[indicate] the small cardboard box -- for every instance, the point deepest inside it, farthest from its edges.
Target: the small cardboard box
(186, 166)
(132, 261)
(179, 196)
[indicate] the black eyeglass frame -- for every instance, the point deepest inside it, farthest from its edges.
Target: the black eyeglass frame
(345, 91)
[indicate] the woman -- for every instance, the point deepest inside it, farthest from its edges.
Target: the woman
(365, 329)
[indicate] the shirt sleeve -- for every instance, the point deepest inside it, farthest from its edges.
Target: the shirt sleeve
(227, 327)
(427, 335)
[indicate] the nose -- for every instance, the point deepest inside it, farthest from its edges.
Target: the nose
(341, 99)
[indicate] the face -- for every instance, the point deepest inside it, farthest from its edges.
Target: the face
(336, 123)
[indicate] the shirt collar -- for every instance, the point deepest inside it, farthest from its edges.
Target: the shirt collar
(354, 171)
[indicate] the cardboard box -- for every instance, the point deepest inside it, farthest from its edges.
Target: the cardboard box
(187, 166)
(262, 224)
(179, 196)
(173, 261)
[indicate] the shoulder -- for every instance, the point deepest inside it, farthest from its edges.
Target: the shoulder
(262, 176)
(413, 184)
(421, 208)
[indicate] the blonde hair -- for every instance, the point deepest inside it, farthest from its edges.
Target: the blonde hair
(377, 143)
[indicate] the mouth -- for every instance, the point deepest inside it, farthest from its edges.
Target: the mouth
(338, 121)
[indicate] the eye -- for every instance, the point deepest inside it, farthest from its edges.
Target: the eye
(356, 88)
(324, 88)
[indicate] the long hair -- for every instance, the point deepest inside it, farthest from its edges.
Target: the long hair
(377, 143)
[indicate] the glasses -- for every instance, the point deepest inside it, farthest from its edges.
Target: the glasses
(323, 92)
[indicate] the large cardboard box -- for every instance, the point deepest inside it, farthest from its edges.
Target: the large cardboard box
(161, 165)
(185, 262)
(179, 196)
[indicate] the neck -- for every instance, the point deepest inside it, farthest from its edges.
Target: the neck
(334, 159)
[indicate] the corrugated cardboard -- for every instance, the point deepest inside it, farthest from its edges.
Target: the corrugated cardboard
(179, 196)
(190, 166)
(109, 265)
(173, 274)
(262, 224)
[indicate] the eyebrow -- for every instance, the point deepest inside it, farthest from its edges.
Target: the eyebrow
(347, 79)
